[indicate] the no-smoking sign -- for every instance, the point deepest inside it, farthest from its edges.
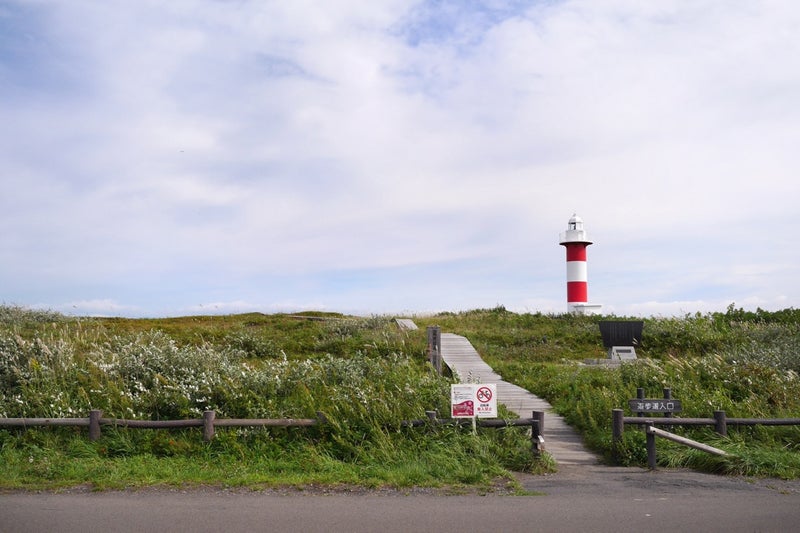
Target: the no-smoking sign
(473, 400)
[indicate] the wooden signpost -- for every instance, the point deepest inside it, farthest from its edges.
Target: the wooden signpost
(649, 405)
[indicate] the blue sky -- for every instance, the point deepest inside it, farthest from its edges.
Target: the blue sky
(220, 156)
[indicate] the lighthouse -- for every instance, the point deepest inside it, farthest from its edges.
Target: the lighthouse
(575, 240)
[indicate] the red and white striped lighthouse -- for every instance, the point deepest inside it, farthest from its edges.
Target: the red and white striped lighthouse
(575, 240)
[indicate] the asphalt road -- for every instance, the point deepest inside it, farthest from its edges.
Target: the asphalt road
(585, 499)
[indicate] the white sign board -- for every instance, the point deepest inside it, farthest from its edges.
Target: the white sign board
(486, 400)
(473, 400)
(462, 401)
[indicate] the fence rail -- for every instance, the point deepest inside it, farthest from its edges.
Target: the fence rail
(536, 423)
(209, 422)
(720, 421)
(24, 422)
(653, 432)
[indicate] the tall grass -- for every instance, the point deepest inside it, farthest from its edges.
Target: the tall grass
(743, 363)
(363, 374)
(149, 375)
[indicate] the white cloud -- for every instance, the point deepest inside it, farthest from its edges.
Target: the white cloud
(104, 307)
(241, 306)
(163, 155)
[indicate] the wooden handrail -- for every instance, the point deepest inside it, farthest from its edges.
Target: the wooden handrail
(720, 423)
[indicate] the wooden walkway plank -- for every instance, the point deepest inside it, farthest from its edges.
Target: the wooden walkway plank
(561, 441)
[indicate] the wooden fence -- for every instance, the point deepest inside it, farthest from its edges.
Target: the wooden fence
(536, 423)
(720, 421)
(209, 422)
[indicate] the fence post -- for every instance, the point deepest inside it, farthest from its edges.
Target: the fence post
(617, 424)
(668, 396)
(429, 332)
(208, 425)
(539, 416)
(434, 347)
(617, 427)
(94, 424)
(438, 349)
(537, 432)
(640, 396)
(721, 423)
(651, 446)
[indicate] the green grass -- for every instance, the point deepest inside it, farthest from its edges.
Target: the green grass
(366, 375)
(745, 363)
(447, 459)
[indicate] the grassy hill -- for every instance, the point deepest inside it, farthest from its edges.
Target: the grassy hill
(745, 363)
(366, 376)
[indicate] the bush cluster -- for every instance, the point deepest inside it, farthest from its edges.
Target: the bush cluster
(149, 375)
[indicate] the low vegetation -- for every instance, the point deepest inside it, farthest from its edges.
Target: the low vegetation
(365, 376)
(745, 363)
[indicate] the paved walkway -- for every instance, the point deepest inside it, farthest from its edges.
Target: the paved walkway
(560, 440)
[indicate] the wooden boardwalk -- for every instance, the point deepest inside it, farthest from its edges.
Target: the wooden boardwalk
(562, 442)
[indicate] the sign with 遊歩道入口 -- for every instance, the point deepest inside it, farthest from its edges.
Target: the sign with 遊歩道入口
(654, 405)
(470, 400)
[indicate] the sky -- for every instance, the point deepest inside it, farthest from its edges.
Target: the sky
(183, 157)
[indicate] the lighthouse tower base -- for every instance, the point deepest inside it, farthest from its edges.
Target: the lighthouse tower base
(584, 308)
